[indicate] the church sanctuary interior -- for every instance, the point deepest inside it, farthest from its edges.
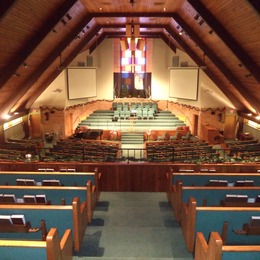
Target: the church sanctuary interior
(130, 129)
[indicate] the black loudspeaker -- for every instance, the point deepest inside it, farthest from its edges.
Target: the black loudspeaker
(175, 61)
(184, 64)
(89, 61)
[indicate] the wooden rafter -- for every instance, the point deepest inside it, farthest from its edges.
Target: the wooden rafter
(47, 62)
(200, 62)
(227, 38)
(64, 64)
(5, 7)
(134, 14)
(97, 42)
(218, 62)
(168, 42)
(255, 4)
(11, 68)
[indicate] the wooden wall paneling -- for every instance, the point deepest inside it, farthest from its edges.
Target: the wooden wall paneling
(142, 177)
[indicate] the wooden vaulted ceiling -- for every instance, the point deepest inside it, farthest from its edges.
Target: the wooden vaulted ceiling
(40, 38)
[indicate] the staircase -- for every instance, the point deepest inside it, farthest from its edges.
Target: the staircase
(132, 138)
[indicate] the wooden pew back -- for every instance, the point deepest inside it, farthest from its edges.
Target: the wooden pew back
(214, 249)
(206, 195)
(62, 217)
(51, 249)
(206, 219)
(57, 195)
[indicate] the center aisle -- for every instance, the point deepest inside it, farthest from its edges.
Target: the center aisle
(133, 225)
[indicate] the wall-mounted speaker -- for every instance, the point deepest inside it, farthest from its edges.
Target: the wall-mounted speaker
(175, 61)
(89, 61)
(184, 64)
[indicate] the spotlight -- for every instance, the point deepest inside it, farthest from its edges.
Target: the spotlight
(201, 22)
(196, 17)
(63, 22)
(248, 75)
(6, 116)
(68, 16)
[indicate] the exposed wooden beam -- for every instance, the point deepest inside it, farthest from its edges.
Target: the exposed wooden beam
(105, 35)
(134, 14)
(47, 62)
(5, 7)
(255, 4)
(218, 62)
(64, 64)
(142, 25)
(227, 38)
(97, 42)
(38, 37)
(168, 42)
(208, 72)
(142, 35)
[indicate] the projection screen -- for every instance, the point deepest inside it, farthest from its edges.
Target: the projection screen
(184, 83)
(81, 82)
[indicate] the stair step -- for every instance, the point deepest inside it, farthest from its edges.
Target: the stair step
(132, 138)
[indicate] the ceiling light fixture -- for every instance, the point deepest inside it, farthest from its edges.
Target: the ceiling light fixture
(201, 22)
(68, 16)
(6, 116)
(63, 22)
(196, 17)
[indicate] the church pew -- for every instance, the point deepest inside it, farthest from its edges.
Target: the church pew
(215, 249)
(202, 179)
(206, 195)
(62, 217)
(206, 219)
(56, 195)
(65, 178)
(189, 177)
(53, 248)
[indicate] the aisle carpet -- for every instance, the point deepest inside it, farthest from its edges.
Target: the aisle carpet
(133, 225)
